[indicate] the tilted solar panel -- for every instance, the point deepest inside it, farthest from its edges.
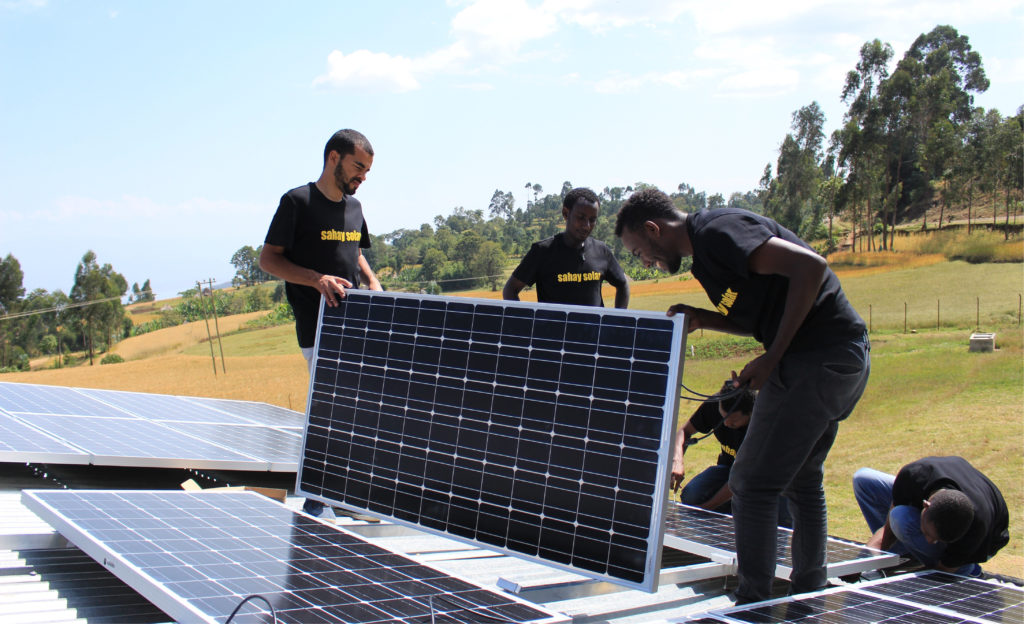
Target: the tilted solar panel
(197, 555)
(711, 534)
(925, 597)
(56, 424)
(539, 431)
(22, 443)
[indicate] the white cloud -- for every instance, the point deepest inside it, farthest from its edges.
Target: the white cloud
(501, 27)
(369, 70)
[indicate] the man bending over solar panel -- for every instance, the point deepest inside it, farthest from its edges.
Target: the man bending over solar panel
(570, 266)
(316, 238)
(767, 283)
(941, 511)
(726, 418)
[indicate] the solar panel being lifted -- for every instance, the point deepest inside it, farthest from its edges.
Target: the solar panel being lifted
(536, 430)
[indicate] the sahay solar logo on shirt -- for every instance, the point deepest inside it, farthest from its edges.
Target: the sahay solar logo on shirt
(590, 276)
(345, 237)
(727, 301)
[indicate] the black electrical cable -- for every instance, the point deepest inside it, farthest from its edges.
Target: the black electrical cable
(273, 614)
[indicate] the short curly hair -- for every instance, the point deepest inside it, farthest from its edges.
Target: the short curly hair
(578, 194)
(952, 512)
(644, 205)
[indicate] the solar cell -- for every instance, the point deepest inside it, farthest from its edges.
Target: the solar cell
(22, 443)
(975, 598)
(138, 442)
(536, 430)
(162, 407)
(19, 399)
(926, 597)
(110, 427)
(197, 555)
(711, 534)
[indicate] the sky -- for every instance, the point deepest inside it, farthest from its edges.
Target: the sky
(162, 134)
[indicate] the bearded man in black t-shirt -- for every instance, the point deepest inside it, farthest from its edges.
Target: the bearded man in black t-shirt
(570, 266)
(767, 283)
(316, 238)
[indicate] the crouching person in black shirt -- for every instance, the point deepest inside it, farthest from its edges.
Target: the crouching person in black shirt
(726, 418)
(941, 511)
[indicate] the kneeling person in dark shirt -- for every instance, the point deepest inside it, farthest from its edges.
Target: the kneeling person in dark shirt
(940, 510)
(570, 266)
(727, 419)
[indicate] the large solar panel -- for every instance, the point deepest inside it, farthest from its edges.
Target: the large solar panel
(536, 430)
(925, 597)
(711, 534)
(55, 424)
(21, 443)
(196, 556)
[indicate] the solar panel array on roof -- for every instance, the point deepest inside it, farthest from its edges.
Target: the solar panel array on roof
(539, 431)
(196, 556)
(711, 534)
(54, 424)
(925, 597)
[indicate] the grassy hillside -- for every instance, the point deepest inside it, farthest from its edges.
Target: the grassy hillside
(927, 396)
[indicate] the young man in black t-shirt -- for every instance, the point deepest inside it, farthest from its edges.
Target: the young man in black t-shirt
(767, 283)
(941, 510)
(316, 238)
(726, 419)
(570, 266)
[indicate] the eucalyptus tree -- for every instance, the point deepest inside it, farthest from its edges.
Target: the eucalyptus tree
(97, 291)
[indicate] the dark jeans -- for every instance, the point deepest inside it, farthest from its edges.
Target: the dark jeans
(706, 484)
(795, 420)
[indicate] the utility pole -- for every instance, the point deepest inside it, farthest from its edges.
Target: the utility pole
(202, 308)
(216, 327)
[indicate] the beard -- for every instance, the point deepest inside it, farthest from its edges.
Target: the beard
(345, 185)
(673, 263)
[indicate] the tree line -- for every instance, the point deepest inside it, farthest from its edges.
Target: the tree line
(90, 318)
(911, 140)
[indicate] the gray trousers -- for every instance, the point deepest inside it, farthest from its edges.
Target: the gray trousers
(794, 423)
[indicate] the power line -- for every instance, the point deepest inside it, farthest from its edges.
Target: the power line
(57, 308)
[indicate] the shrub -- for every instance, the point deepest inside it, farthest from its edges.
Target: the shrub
(112, 358)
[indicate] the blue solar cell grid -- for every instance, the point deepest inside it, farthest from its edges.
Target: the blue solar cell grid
(534, 430)
(197, 555)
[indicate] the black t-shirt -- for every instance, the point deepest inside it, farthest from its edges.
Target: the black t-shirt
(723, 240)
(322, 235)
(989, 531)
(706, 418)
(564, 274)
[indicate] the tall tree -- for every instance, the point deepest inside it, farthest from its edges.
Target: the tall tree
(97, 291)
(247, 266)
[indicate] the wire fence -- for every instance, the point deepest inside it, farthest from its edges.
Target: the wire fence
(951, 311)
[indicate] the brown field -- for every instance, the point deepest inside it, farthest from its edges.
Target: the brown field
(174, 339)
